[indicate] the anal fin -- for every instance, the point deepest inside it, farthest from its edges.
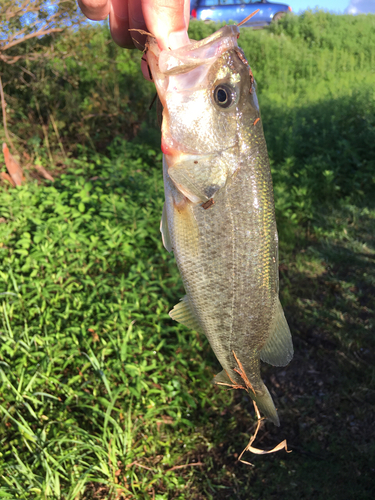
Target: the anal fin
(262, 397)
(278, 349)
(184, 315)
(222, 378)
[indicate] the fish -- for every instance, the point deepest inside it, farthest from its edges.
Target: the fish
(219, 215)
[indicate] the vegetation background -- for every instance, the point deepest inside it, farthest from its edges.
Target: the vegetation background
(102, 395)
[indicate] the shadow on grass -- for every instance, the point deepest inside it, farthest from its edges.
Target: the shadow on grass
(326, 396)
(322, 154)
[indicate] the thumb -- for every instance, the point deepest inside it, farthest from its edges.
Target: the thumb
(168, 21)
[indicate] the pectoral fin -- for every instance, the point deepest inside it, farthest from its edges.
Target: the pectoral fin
(184, 315)
(278, 350)
(199, 177)
(165, 231)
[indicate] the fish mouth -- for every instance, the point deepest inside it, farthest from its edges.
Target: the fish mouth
(168, 63)
(166, 68)
(197, 53)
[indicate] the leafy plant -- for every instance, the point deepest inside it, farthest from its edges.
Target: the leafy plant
(101, 394)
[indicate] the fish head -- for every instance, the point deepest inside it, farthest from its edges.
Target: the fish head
(208, 94)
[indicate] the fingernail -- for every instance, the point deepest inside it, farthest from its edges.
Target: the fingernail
(178, 39)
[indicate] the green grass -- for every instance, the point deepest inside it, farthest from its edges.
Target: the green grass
(96, 377)
(103, 396)
(88, 353)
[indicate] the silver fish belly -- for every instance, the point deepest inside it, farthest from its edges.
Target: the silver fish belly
(219, 217)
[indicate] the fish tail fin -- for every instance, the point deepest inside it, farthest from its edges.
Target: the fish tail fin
(261, 396)
(265, 404)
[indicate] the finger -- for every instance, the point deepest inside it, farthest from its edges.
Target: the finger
(136, 21)
(187, 13)
(119, 23)
(168, 21)
(97, 10)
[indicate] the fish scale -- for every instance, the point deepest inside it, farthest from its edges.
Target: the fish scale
(219, 217)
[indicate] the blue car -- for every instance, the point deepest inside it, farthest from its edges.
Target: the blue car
(237, 10)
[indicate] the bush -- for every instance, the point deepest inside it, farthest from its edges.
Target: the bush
(88, 90)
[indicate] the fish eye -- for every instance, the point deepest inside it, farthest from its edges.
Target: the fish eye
(224, 95)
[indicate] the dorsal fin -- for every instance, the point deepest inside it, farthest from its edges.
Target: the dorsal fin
(278, 349)
(184, 315)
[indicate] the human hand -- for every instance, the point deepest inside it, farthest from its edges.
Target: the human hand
(167, 20)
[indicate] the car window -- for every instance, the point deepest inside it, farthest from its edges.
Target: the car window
(230, 2)
(209, 3)
(213, 3)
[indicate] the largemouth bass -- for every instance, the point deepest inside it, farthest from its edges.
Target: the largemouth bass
(219, 216)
